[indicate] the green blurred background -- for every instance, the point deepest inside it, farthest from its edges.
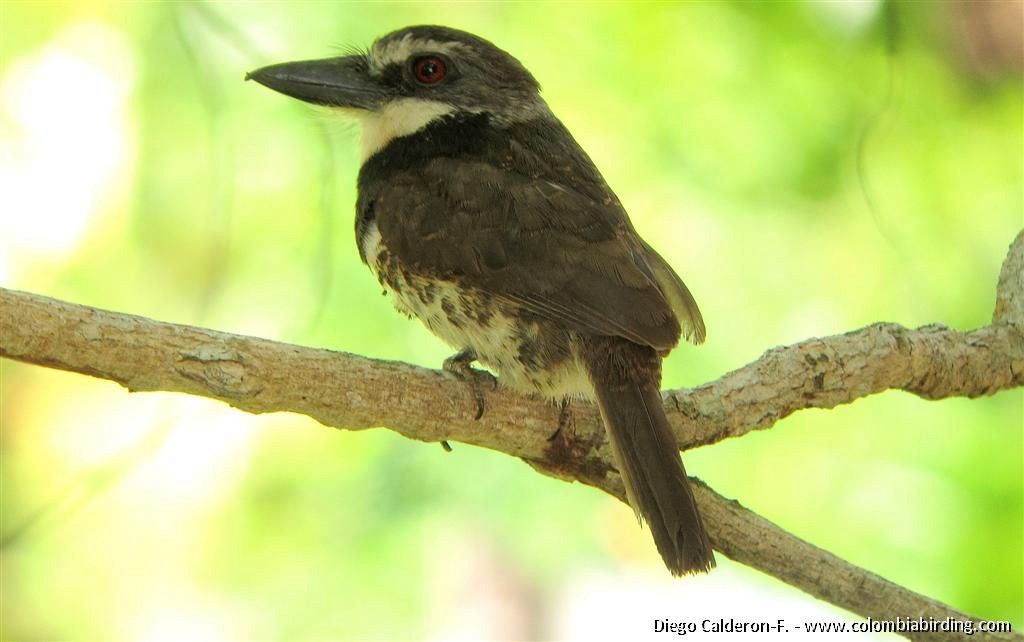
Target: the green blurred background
(808, 167)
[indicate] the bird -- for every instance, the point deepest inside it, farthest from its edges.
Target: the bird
(483, 217)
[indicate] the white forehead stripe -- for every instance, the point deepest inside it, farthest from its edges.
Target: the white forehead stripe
(397, 118)
(398, 51)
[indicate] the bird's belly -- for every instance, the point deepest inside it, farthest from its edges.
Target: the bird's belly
(529, 354)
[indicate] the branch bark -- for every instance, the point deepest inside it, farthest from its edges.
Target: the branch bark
(349, 391)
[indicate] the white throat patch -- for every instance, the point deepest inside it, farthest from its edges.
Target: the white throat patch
(398, 118)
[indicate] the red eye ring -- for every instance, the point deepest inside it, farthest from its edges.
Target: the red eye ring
(429, 70)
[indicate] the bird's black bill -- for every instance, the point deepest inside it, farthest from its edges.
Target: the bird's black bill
(338, 82)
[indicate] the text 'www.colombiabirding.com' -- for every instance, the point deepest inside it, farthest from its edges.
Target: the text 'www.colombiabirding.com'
(900, 626)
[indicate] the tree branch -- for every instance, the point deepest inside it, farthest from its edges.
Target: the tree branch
(932, 362)
(349, 391)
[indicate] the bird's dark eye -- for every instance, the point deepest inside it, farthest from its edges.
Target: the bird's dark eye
(429, 70)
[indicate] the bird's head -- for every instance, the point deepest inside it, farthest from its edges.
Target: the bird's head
(410, 78)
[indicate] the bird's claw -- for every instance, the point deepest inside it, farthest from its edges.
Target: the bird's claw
(564, 417)
(459, 365)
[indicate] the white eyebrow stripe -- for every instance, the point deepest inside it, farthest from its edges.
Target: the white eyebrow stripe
(398, 51)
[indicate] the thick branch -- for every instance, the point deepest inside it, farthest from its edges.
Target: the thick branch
(342, 389)
(345, 390)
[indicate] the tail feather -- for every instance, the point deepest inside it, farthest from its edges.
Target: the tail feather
(647, 455)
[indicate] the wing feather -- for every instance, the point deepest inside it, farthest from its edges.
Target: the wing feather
(563, 253)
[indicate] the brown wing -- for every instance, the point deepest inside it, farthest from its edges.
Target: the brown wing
(678, 296)
(557, 253)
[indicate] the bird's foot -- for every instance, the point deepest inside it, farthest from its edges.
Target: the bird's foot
(565, 417)
(459, 365)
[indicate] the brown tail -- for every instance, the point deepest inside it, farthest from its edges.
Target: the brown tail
(647, 455)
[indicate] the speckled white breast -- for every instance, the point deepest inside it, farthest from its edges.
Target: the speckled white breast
(491, 328)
